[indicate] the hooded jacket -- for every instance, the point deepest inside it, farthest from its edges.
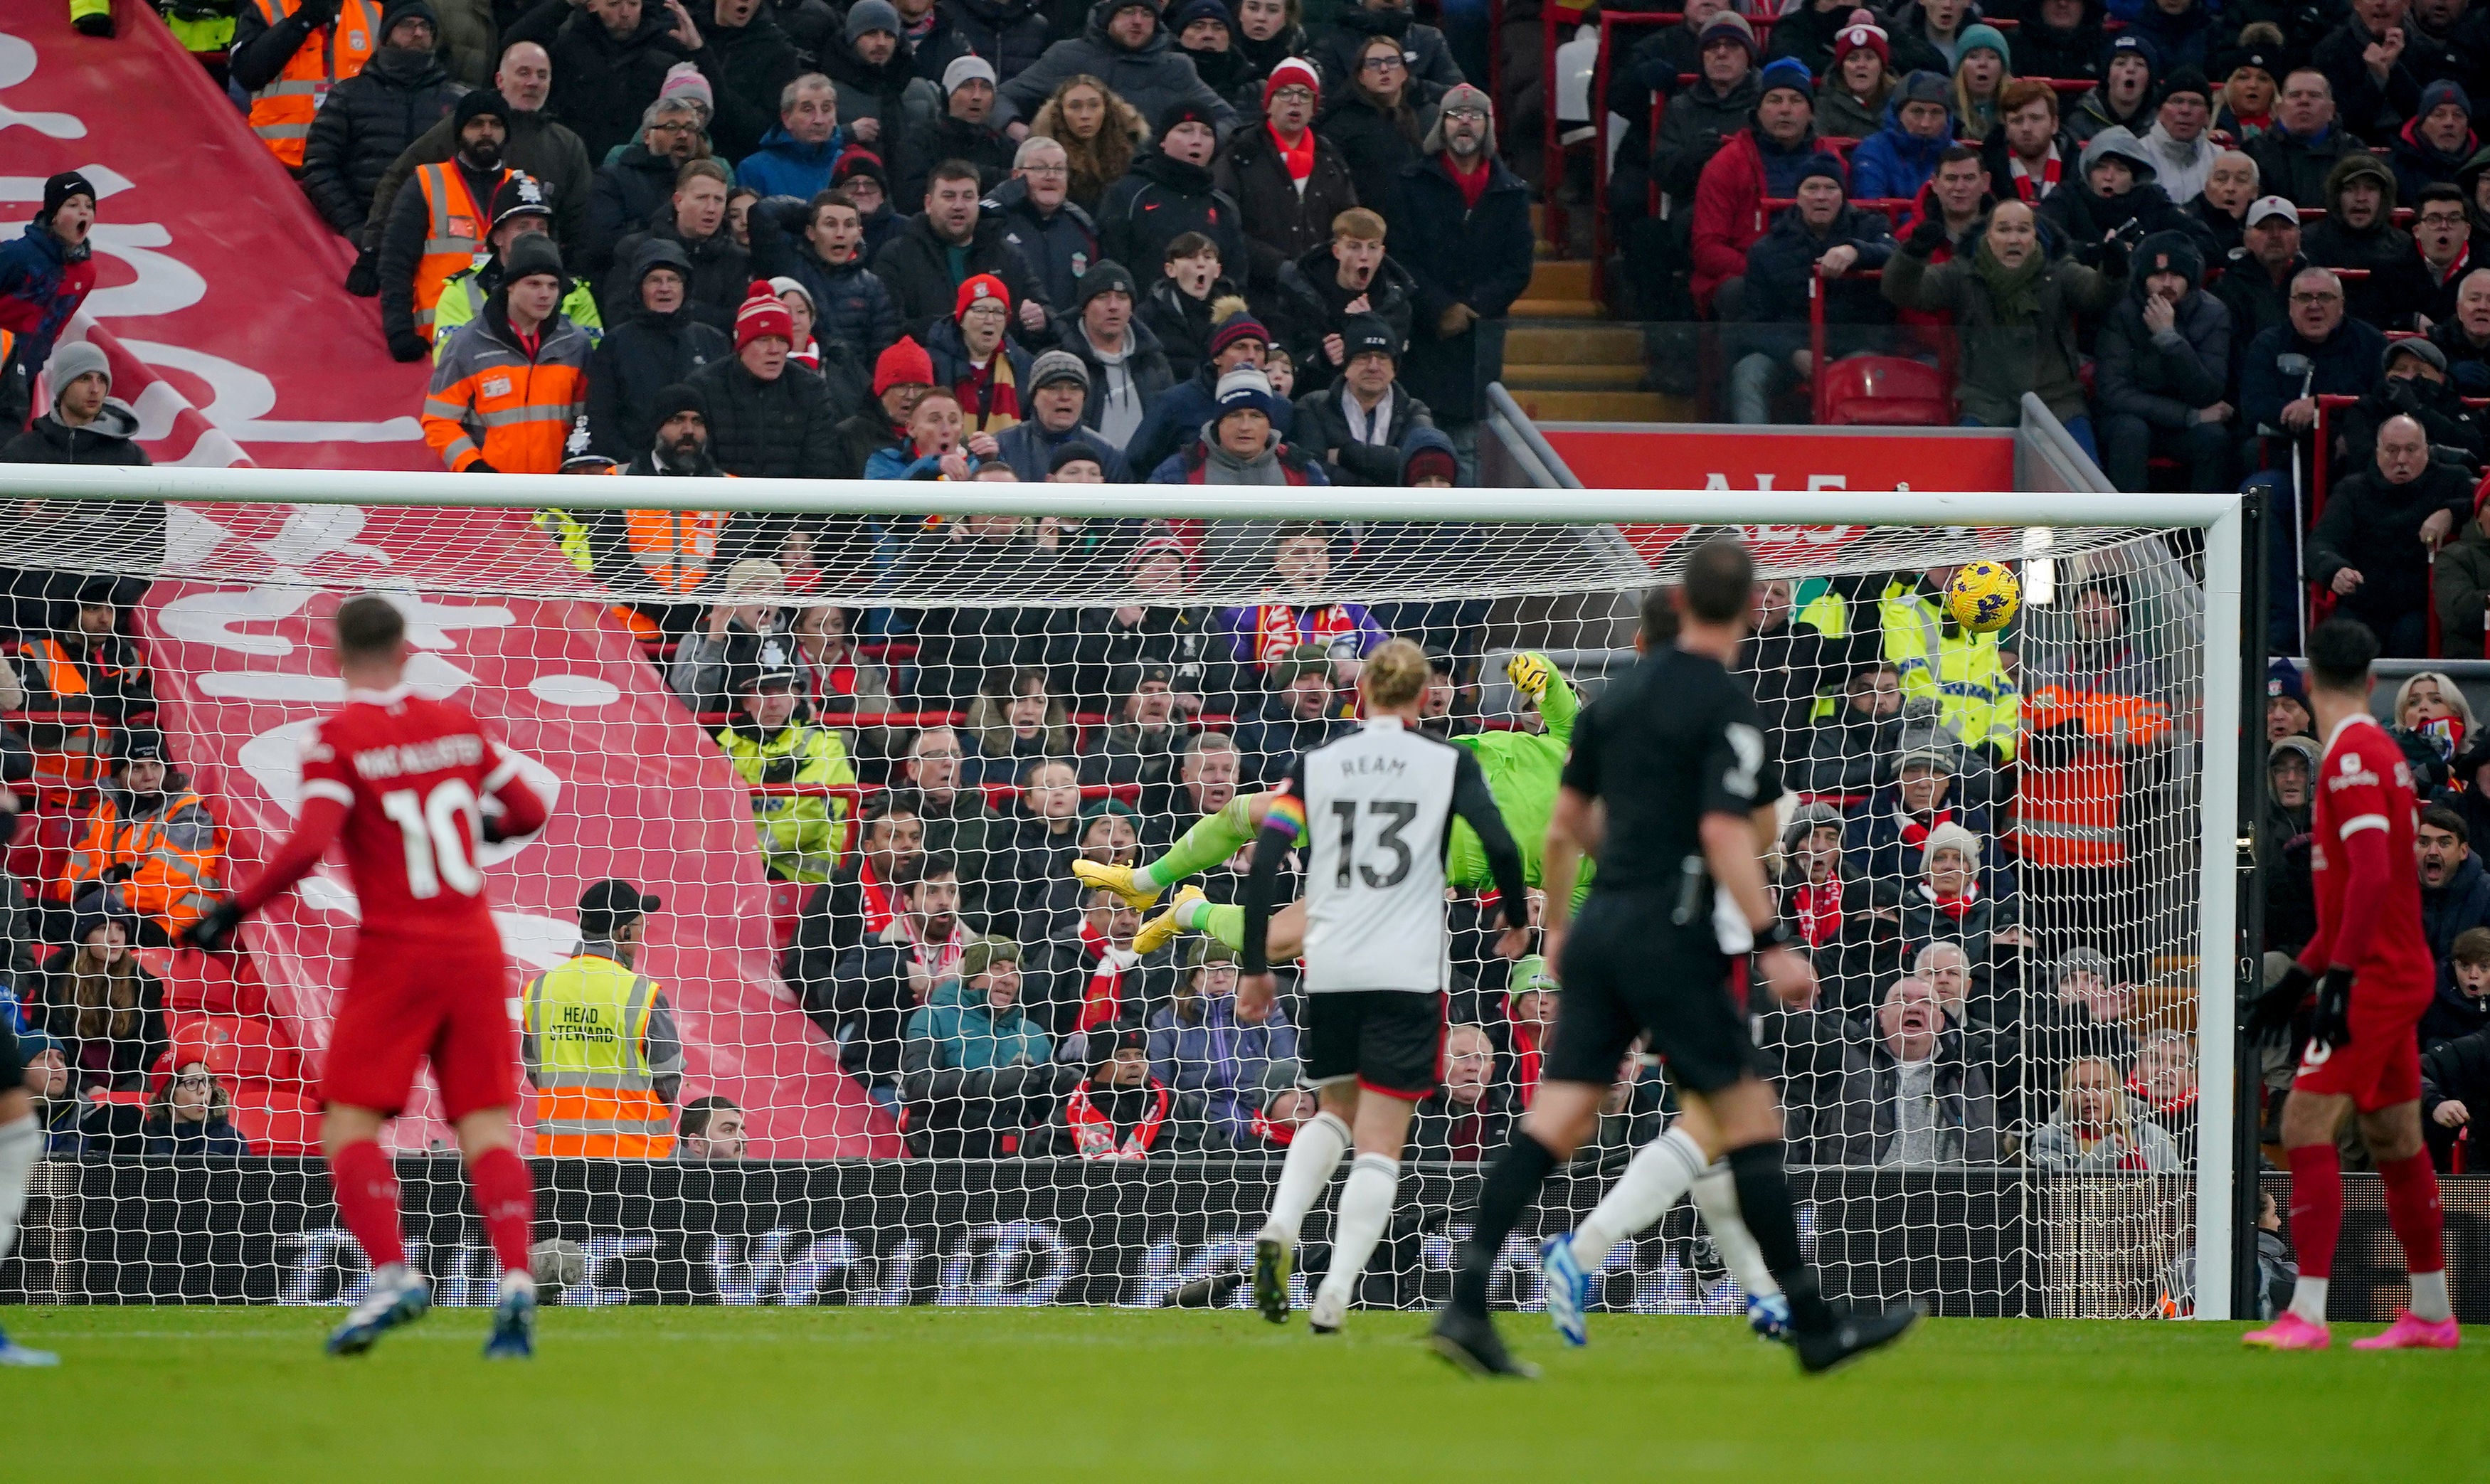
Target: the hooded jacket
(2086, 218)
(111, 439)
(1313, 305)
(850, 304)
(750, 65)
(1333, 47)
(2290, 166)
(43, 281)
(641, 356)
(2335, 243)
(2344, 364)
(929, 142)
(1174, 421)
(768, 429)
(365, 124)
(1892, 164)
(2003, 359)
(965, 1034)
(1027, 449)
(2163, 378)
(2445, 911)
(894, 92)
(2366, 107)
(1153, 76)
(1146, 361)
(1010, 34)
(2179, 170)
(2418, 162)
(537, 145)
(2374, 527)
(721, 270)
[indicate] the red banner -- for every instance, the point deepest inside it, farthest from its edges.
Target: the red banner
(220, 297)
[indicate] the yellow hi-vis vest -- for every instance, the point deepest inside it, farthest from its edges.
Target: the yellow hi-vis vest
(1959, 670)
(596, 1095)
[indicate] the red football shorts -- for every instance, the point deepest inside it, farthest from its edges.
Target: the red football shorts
(409, 1002)
(2381, 1067)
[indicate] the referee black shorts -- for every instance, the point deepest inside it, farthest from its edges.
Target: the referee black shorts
(1628, 970)
(13, 1061)
(1391, 1041)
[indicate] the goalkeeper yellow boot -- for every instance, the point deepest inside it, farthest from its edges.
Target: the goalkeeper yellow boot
(1530, 672)
(1161, 930)
(1118, 878)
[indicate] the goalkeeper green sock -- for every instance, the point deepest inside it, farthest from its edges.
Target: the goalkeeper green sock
(1226, 924)
(1212, 840)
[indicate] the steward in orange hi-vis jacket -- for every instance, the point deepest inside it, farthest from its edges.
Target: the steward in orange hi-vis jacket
(508, 386)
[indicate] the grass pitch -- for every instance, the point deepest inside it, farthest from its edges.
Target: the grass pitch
(931, 1394)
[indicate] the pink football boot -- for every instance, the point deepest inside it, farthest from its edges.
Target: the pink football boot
(2409, 1331)
(2289, 1332)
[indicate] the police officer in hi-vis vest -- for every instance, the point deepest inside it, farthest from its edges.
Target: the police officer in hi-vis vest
(599, 1042)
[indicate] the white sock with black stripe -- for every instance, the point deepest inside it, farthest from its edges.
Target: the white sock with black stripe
(1313, 1155)
(1365, 1206)
(1659, 1176)
(21, 1144)
(1716, 1196)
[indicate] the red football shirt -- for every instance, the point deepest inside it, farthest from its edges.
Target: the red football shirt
(400, 781)
(2364, 784)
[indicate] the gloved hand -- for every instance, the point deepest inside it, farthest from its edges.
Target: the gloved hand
(213, 928)
(1925, 237)
(479, 467)
(780, 769)
(2268, 1017)
(315, 14)
(1530, 673)
(117, 874)
(407, 346)
(364, 280)
(2331, 1023)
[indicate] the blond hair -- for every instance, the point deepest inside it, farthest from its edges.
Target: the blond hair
(1395, 674)
(1358, 224)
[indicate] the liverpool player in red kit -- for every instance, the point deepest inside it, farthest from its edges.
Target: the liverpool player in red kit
(403, 783)
(2370, 966)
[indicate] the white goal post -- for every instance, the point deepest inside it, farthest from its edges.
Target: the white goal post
(250, 523)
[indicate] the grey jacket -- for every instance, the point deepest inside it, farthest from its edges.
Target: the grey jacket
(2000, 360)
(2054, 1148)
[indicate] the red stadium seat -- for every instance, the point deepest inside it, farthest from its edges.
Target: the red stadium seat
(786, 903)
(1887, 391)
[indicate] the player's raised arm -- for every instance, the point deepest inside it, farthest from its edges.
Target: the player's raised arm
(326, 803)
(1474, 801)
(518, 812)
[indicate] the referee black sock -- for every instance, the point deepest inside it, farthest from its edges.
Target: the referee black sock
(1513, 1182)
(1764, 1200)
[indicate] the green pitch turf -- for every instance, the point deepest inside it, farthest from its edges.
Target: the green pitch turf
(935, 1394)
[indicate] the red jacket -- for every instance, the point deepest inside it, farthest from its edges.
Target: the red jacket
(1729, 216)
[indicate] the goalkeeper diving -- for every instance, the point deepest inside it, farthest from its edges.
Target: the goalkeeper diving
(1523, 771)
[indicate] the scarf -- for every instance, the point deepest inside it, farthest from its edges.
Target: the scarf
(1954, 906)
(1916, 835)
(941, 960)
(1280, 627)
(990, 395)
(1299, 157)
(1277, 1135)
(1819, 910)
(1102, 999)
(878, 910)
(2014, 291)
(1093, 1128)
(1525, 1055)
(810, 356)
(1473, 183)
(2025, 187)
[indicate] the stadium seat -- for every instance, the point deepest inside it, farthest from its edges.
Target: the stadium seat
(1887, 391)
(786, 904)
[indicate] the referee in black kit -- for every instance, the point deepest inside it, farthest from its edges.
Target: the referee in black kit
(1675, 752)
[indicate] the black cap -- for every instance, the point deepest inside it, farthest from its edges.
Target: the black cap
(98, 593)
(60, 187)
(530, 256)
(1128, 679)
(610, 903)
(1361, 333)
(766, 676)
(1072, 450)
(1104, 275)
(139, 743)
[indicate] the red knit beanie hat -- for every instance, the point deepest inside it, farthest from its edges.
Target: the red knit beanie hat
(762, 315)
(905, 365)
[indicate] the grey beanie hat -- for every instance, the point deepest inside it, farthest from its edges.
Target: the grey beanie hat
(871, 16)
(73, 360)
(1057, 365)
(2082, 958)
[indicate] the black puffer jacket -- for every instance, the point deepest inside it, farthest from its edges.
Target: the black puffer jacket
(924, 145)
(642, 355)
(1313, 305)
(1335, 47)
(630, 190)
(768, 429)
(752, 64)
(1159, 200)
(602, 85)
(721, 270)
(915, 266)
(366, 123)
(1281, 222)
(1373, 144)
(1010, 34)
(850, 305)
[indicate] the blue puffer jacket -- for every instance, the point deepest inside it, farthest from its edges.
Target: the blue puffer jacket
(1891, 164)
(850, 304)
(43, 281)
(783, 167)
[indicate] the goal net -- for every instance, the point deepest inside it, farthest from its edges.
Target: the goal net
(897, 1053)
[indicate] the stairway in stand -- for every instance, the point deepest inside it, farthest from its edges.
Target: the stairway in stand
(1564, 360)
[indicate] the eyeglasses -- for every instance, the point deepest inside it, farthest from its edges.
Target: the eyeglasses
(938, 755)
(993, 306)
(1380, 65)
(2316, 298)
(1052, 171)
(674, 128)
(2443, 219)
(1293, 94)
(1474, 115)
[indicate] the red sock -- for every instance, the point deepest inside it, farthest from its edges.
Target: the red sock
(505, 1197)
(2413, 1211)
(2316, 1206)
(367, 1189)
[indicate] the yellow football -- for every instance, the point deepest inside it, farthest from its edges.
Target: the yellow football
(1983, 596)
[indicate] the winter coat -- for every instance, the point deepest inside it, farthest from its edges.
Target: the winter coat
(893, 92)
(2419, 164)
(2409, 286)
(915, 266)
(968, 1034)
(2460, 587)
(2467, 362)
(2456, 431)
(952, 366)
(2361, 105)
(850, 304)
(1841, 116)
(2257, 303)
(2085, 219)
(1907, 33)
(2374, 527)
(1892, 164)
(2055, 1147)
(1807, 33)
(929, 142)
(365, 124)
(1322, 426)
(1180, 321)
(109, 441)
(768, 430)
(786, 167)
(43, 281)
(1780, 275)
(2345, 365)
(1269, 741)
(1873, 847)
(1213, 1055)
(537, 145)
(1312, 304)
(1375, 146)
(1145, 361)
(858, 995)
(1159, 200)
(2163, 378)
(1153, 76)
(1280, 222)
(2045, 51)
(1058, 248)
(1174, 421)
(2179, 170)
(632, 189)
(2289, 165)
(2000, 360)
(601, 86)
(1481, 256)
(2184, 40)
(2457, 1070)
(214, 1139)
(1333, 47)
(721, 272)
(1010, 34)
(638, 359)
(2226, 230)
(1729, 205)
(1870, 1081)
(748, 67)
(2375, 248)
(1028, 448)
(1650, 70)
(1851, 753)
(2092, 113)
(2445, 911)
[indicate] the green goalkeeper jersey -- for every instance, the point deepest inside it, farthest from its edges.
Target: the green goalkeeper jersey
(1522, 770)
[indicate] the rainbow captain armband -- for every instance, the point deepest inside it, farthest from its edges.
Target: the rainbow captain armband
(1286, 816)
